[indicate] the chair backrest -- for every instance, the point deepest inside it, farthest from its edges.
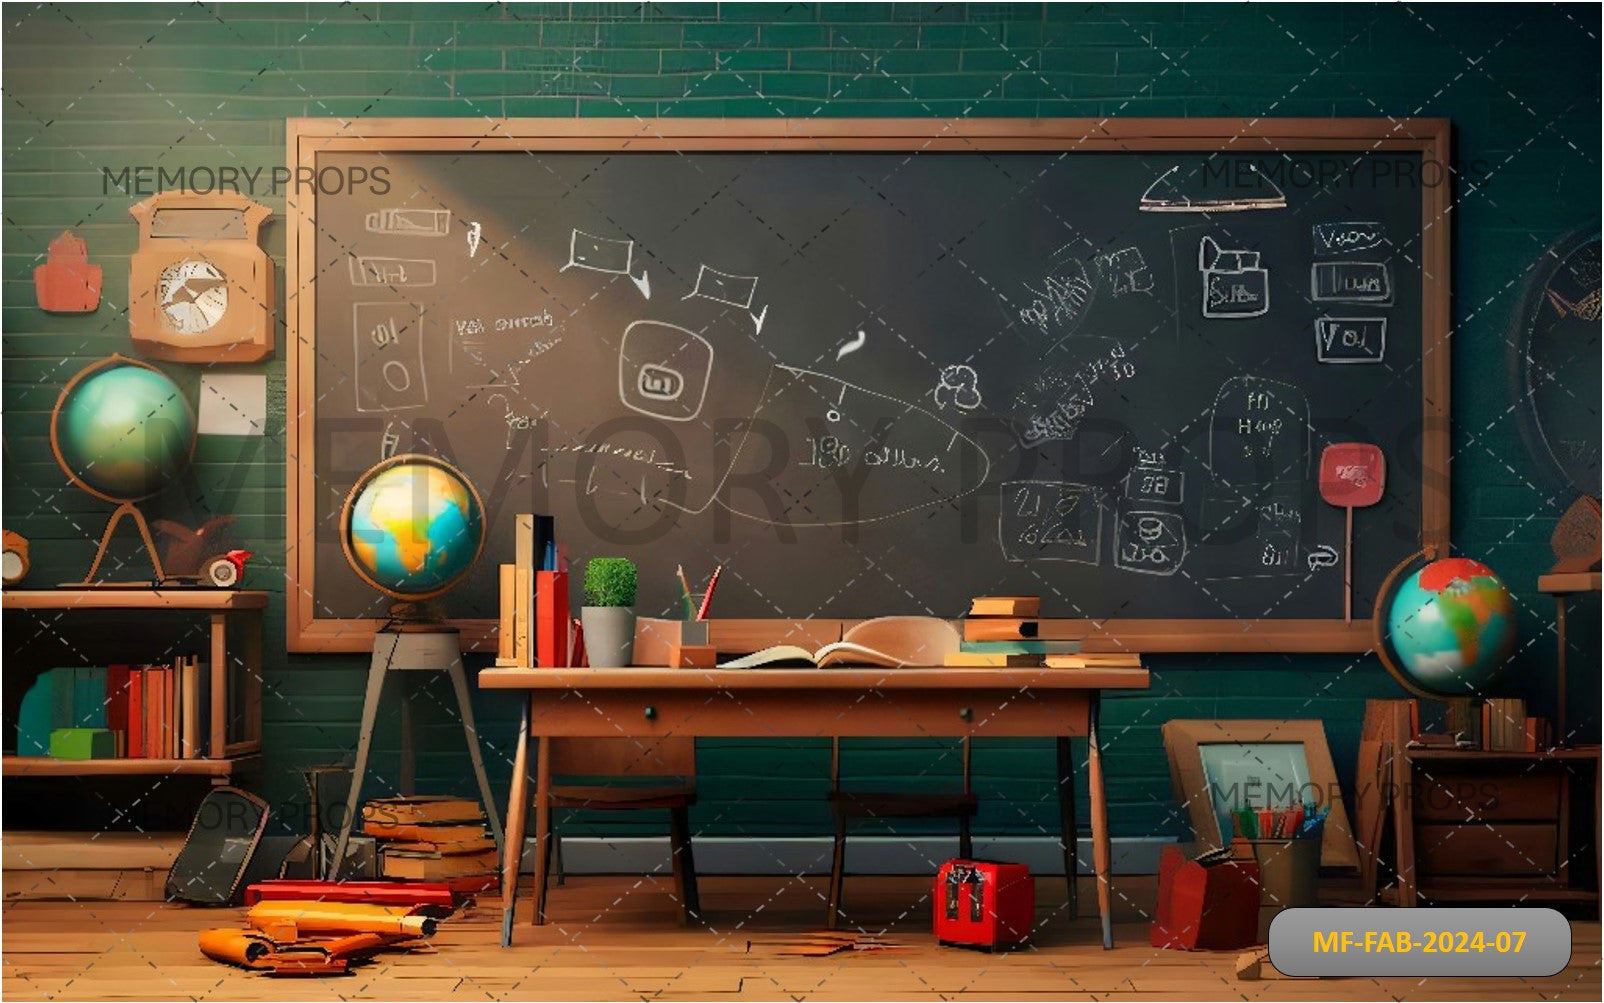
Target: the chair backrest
(919, 640)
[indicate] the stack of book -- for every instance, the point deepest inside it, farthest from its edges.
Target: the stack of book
(1001, 631)
(1096, 660)
(433, 839)
(118, 711)
(1505, 727)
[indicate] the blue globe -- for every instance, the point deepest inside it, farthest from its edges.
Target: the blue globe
(1452, 626)
(413, 527)
(123, 430)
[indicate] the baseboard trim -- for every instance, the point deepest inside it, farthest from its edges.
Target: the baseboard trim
(865, 854)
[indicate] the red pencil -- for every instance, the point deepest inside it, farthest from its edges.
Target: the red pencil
(707, 597)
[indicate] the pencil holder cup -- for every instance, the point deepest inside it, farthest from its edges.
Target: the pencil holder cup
(693, 633)
(1289, 874)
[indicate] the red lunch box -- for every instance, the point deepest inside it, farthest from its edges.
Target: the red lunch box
(983, 903)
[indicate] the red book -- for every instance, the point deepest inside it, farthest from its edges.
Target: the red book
(412, 893)
(135, 721)
(117, 703)
(551, 619)
(155, 707)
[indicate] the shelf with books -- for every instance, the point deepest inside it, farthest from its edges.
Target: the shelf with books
(195, 714)
(45, 766)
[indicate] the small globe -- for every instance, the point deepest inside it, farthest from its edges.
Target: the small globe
(1452, 628)
(123, 430)
(412, 527)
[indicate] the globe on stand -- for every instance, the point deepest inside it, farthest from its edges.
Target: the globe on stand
(1446, 631)
(122, 430)
(412, 527)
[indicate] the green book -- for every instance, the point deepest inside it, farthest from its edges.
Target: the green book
(36, 718)
(83, 743)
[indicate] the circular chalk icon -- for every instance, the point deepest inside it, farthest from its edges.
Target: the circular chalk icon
(663, 370)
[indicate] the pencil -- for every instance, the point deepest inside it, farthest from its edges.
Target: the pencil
(707, 600)
(685, 589)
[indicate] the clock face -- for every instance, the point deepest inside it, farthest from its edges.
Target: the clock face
(194, 296)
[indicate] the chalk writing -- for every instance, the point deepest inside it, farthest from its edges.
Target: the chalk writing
(1056, 402)
(409, 222)
(1350, 282)
(1350, 340)
(1346, 238)
(664, 370)
(1050, 521)
(1234, 283)
(389, 356)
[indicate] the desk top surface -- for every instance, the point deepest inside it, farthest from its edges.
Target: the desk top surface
(911, 678)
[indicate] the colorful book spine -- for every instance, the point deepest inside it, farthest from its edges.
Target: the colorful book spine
(551, 619)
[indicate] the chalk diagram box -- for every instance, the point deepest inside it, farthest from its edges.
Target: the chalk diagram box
(663, 370)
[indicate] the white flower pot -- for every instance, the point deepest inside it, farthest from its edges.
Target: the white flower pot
(609, 635)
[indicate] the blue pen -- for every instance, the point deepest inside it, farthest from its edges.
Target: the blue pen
(548, 560)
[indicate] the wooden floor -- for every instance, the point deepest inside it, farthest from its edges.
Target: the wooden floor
(615, 938)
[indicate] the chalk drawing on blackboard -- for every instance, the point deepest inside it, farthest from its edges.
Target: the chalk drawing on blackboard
(1125, 271)
(758, 318)
(409, 222)
(1235, 285)
(1150, 542)
(1351, 282)
(1055, 402)
(370, 270)
(1350, 340)
(389, 356)
(475, 231)
(881, 459)
(1252, 529)
(599, 254)
(1050, 521)
(848, 347)
(1347, 238)
(390, 443)
(1258, 431)
(1153, 483)
(1323, 556)
(722, 287)
(664, 370)
(1237, 188)
(958, 386)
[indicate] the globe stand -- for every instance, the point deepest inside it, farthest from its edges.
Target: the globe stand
(124, 510)
(411, 647)
(414, 614)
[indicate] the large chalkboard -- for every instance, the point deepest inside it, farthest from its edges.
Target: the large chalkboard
(883, 375)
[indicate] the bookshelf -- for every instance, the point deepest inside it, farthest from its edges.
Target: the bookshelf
(235, 659)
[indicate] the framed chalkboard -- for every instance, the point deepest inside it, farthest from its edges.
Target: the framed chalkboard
(881, 366)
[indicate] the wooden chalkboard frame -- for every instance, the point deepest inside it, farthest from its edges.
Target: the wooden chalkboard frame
(306, 138)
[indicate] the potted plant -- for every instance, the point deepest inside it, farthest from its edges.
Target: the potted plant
(608, 614)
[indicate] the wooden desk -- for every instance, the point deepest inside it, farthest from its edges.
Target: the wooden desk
(810, 703)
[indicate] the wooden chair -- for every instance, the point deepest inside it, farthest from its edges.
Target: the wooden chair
(672, 760)
(850, 805)
(923, 641)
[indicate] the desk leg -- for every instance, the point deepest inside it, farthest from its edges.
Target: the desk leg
(1561, 738)
(1101, 851)
(512, 846)
(1068, 829)
(542, 827)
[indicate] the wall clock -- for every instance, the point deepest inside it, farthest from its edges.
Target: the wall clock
(1555, 363)
(200, 286)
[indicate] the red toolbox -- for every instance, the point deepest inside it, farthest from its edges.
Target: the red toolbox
(1207, 903)
(982, 903)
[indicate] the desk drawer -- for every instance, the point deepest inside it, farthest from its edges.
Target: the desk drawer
(1462, 797)
(1487, 850)
(810, 713)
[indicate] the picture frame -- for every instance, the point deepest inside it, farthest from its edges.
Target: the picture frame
(1218, 765)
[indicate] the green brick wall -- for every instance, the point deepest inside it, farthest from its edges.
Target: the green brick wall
(92, 86)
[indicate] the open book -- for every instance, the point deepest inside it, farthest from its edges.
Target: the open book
(790, 656)
(887, 642)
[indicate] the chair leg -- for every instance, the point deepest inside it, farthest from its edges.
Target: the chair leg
(545, 874)
(684, 863)
(562, 873)
(837, 868)
(966, 844)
